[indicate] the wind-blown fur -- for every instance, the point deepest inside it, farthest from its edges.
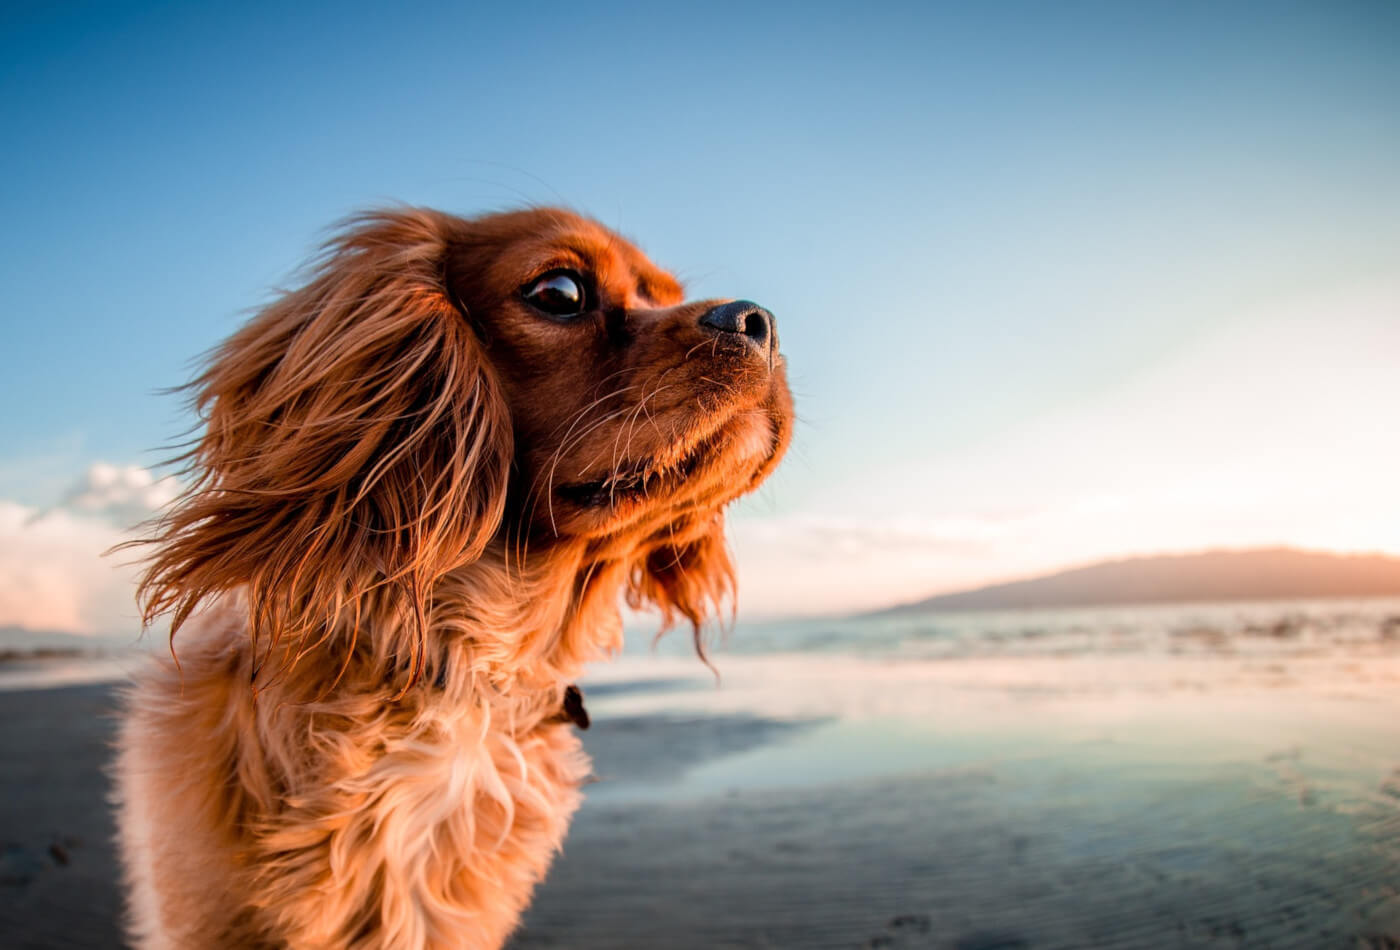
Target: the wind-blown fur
(412, 514)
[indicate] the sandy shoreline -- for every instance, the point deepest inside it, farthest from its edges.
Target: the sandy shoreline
(853, 805)
(965, 860)
(58, 872)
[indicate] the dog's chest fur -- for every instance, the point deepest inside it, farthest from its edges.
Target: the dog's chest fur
(356, 821)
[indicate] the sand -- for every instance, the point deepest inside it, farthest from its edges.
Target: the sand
(985, 813)
(58, 872)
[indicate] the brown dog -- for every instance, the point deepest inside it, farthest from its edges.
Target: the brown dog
(427, 478)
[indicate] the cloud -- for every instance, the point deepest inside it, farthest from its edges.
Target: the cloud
(813, 536)
(808, 564)
(122, 495)
(53, 575)
(54, 572)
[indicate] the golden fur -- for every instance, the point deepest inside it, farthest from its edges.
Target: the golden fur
(414, 509)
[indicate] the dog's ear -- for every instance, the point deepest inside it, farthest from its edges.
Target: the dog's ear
(356, 447)
(690, 576)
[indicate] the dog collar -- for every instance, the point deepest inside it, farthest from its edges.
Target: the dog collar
(572, 708)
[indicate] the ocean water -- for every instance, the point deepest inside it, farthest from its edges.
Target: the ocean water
(1269, 628)
(42, 660)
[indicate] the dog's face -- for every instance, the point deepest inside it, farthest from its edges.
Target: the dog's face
(632, 410)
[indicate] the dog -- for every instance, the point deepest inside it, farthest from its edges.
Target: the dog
(426, 481)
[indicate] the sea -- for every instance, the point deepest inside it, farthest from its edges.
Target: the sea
(1291, 628)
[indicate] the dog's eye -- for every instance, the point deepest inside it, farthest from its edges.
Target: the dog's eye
(560, 293)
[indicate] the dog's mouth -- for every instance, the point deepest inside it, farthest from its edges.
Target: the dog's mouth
(742, 447)
(642, 479)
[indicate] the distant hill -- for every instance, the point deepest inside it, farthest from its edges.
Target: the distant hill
(1262, 574)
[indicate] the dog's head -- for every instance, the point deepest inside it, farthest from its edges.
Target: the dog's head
(440, 385)
(631, 410)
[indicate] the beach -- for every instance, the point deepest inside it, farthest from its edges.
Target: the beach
(1166, 812)
(1237, 796)
(58, 871)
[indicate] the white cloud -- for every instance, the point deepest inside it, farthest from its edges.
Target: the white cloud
(123, 495)
(53, 575)
(54, 570)
(809, 564)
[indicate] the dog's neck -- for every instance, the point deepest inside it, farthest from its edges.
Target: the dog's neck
(515, 628)
(532, 621)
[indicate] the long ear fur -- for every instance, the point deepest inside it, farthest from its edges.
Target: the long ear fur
(691, 576)
(356, 448)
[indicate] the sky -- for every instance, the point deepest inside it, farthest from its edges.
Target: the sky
(1055, 282)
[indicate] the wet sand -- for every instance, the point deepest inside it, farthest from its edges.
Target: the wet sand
(840, 804)
(966, 860)
(997, 805)
(58, 871)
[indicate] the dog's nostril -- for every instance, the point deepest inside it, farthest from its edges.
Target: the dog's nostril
(756, 326)
(743, 317)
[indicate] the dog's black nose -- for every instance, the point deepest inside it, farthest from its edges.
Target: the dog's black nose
(743, 317)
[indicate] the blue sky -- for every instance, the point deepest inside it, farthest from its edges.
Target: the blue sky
(1026, 258)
